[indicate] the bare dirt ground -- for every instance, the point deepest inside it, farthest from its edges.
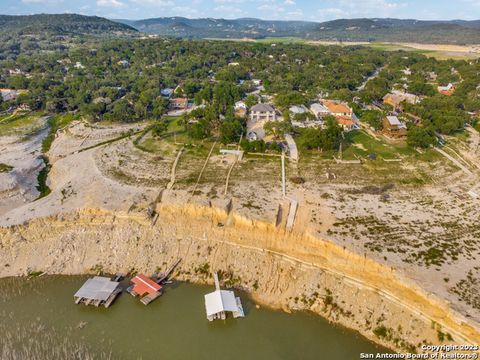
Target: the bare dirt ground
(413, 216)
(23, 154)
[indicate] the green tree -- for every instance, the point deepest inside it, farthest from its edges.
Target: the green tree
(420, 137)
(230, 131)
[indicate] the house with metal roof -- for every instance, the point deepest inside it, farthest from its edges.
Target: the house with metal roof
(297, 109)
(319, 110)
(220, 302)
(393, 127)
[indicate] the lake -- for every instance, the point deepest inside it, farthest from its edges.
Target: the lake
(39, 320)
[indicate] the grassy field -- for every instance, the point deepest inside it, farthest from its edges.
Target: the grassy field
(361, 144)
(437, 54)
(19, 124)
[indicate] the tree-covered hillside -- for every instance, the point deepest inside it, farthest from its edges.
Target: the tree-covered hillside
(60, 24)
(44, 32)
(395, 30)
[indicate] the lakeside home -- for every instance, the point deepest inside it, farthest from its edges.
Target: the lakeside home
(396, 98)
(260, 114)
(319, 110)
(393, 127)
(11, 94)
(448, 90)
(240, 109)
(343, 114)
(178, 103)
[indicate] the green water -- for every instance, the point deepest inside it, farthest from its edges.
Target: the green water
(39, 320)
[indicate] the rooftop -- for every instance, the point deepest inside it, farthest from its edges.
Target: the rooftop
(145, 285)
(97, 288)
(394, 121)
(263, 108)
(336, 107)
(219, 301)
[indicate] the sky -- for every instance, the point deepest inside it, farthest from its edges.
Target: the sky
(311, 10)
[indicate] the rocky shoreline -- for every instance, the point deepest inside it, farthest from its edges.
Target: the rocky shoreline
(291, 271)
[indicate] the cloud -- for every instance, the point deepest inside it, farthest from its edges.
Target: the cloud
(110, 3)
(43, 2)
(289, 2)
(329, 14)
(227, 9)
(186, 11)
(370, 8)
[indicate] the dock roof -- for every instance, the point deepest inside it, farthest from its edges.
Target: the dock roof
(145, 285)
(97, 288)
(220, 300)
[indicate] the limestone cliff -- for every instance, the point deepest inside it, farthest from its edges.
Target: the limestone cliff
(292, 271)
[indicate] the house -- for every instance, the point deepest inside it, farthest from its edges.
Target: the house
(319, 110)
(347, 122)
(220, 302)
(262, 113)
(298, 109)
(240, 109)
(98, 291)
(337, 108)
(343, 114)
(11, 94)
(447, 90)
(432, 76)
(257, 82)
(393, 127)
(167, 92)
(259, 115)
(178, 103)
(78, 65)
(307, 124)
(124, 63)
(395, 99)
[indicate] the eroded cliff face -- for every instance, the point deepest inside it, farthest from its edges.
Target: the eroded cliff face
(291, 271)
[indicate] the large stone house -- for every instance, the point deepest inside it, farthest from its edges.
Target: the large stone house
(260, 114)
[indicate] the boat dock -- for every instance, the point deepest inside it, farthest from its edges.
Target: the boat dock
(98, 291)
(220, 302)
(150, 289)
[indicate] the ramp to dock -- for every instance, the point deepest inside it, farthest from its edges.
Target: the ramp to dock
(292, 213)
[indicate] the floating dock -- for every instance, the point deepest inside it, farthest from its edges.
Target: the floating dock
(98, 291)
(150, 289)
(220, 302)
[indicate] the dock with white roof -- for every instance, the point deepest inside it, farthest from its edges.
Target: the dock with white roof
(220, 302)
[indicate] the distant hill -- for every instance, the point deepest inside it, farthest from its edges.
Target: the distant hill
(395, 30)
(60, 24)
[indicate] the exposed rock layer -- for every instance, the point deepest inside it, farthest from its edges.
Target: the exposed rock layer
(284, 270)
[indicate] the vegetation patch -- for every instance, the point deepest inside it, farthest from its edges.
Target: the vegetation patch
(5, 168)
(42, 177)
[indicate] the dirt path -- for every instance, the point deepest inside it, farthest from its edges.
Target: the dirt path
(455, 161)
(174, 167)
(203, 169)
